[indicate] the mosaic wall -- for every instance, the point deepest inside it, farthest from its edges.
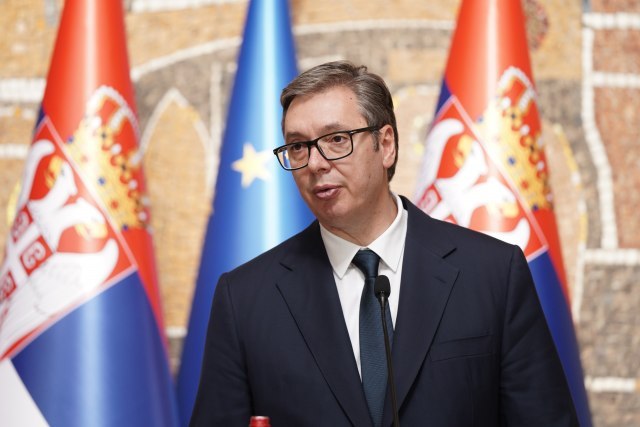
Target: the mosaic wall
(586, 63)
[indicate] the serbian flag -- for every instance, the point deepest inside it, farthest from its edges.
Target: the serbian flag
(484, 166)
(256, 203)
(81, 334)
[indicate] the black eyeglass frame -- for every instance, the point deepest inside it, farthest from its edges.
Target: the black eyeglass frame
(314, 142)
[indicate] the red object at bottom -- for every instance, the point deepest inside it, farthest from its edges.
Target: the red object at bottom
(259, 422)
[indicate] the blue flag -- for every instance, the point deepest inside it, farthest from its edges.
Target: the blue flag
(256, 204)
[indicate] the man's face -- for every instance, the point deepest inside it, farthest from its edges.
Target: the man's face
(345, 194)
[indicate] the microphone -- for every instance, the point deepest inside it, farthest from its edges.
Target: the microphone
(382, 289)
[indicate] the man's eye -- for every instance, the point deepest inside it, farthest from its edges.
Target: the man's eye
(338, 138)
(295, 147)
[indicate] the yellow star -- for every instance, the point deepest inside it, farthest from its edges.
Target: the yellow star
(252, 165)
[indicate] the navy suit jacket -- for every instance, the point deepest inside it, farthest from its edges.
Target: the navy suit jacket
(470, 346)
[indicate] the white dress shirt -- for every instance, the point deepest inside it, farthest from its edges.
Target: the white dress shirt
(350, 280)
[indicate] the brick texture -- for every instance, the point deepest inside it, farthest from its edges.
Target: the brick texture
(182, 105)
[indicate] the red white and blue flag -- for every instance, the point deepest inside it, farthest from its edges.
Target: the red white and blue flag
(81, 330)
(484, 165)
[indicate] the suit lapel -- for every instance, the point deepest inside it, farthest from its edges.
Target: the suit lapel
(308, 287)
(427, 280)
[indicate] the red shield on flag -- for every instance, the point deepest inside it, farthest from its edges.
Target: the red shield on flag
(489, 175)
(66, 243)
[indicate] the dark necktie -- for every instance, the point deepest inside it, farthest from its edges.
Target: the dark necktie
(373, 362)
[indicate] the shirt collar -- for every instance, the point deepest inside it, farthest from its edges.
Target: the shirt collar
(389, 245)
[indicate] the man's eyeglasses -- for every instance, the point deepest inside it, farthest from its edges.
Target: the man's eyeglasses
(332, 146)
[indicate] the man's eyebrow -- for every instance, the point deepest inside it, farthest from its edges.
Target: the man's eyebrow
(290, 135)
(332, 127)
(326, 129)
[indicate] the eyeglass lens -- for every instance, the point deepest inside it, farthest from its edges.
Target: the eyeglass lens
(332, 146)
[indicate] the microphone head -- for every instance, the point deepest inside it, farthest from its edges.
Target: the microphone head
(382, 287)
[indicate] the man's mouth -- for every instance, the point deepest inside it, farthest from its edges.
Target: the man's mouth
(325, 192)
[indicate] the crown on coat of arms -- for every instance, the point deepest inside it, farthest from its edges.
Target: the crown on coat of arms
(511, 130)
(104, 148)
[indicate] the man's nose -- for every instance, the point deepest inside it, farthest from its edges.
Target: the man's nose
(316, 161)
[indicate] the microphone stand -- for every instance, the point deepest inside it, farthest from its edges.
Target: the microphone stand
(382, 289)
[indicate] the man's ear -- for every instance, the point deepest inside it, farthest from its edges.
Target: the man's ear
(387, 145)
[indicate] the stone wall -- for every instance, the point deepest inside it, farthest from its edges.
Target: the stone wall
(586, 63)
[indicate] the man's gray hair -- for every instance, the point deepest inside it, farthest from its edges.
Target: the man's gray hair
(374, 99)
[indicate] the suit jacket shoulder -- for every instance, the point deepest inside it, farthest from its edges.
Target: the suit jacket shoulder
(274, 262)
(442, 238)
(472, 345)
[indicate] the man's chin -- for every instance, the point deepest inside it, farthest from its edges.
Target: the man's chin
(331, 218)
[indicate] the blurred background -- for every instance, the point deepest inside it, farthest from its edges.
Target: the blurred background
(586, 65)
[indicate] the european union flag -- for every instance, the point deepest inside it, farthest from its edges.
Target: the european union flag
(256, 205)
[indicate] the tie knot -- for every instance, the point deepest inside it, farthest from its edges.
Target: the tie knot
(367, 261)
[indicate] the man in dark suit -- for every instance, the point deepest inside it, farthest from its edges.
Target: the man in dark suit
(287, 335)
